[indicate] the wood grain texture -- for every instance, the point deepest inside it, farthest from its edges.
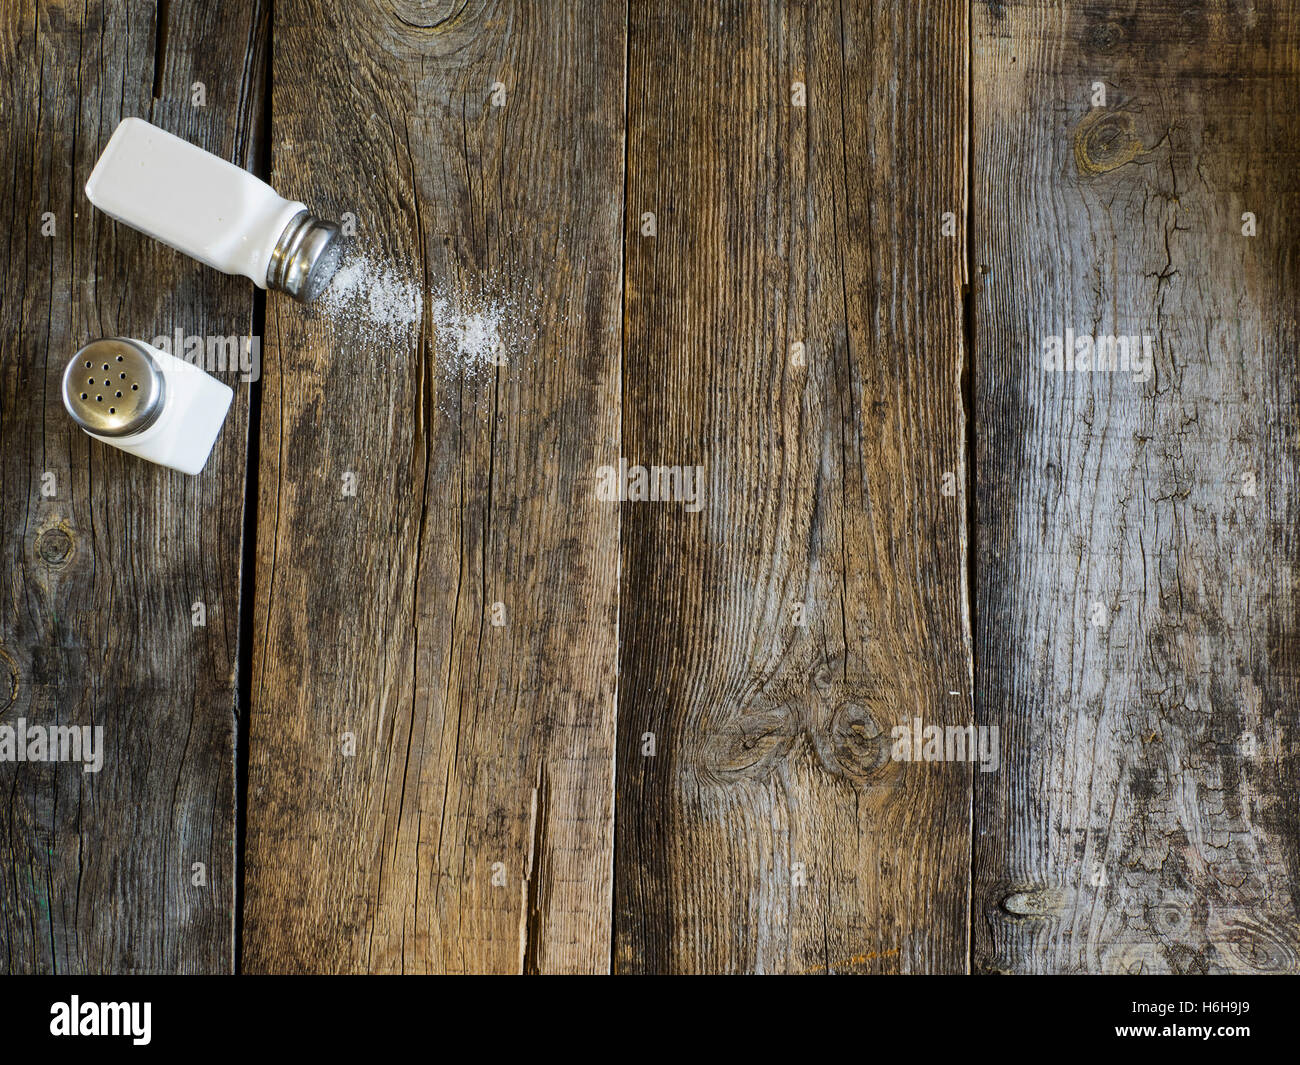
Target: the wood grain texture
(771, 831)
(100, 576)
(476, 743)
(1137, 604)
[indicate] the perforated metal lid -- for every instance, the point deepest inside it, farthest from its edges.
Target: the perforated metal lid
(113, 387)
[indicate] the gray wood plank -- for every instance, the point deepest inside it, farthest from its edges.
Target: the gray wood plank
(102, 555)
(1137, 547)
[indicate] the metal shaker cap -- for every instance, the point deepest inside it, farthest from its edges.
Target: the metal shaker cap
(305, 257)
(113, 387)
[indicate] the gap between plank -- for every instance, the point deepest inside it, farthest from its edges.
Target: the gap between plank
(261, 166)
(968, 403)
(622, 412)
(161, 18)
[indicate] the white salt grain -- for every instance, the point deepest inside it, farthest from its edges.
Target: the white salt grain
(367, 293)
(468, 340)
(486, 327)
(479, 327)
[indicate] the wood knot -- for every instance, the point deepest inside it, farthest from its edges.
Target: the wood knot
(1040, 901)
(750, 745)
(1105, 141)
(8, 681)
(1252, 943)
(414, 15)
(1102, 35)
(831, 715)
(823, 678)
(857, 746)
(55, 546)
(1169, 919)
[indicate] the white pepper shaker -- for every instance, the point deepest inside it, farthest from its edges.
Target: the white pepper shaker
(146, 402)
(212, 210)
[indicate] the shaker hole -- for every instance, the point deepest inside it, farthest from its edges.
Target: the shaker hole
(83, 395)
(87, 366)
(119, 358)
(135, 388)
(119, 395)
(112, 410)
(99, 399)
(105, 366)
(122, 376)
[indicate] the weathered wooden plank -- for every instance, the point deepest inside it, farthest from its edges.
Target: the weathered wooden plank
(104, 556)
(1137, 549)
(773, 639)
(470, 827)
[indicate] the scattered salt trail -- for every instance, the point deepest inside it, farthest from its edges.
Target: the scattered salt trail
(368, 293)
(469, 340)
(478, 327)
(486, 327)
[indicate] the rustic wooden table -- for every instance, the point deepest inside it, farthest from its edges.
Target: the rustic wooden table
(391, 687)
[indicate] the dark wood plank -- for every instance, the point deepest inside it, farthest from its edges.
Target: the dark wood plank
(475, 743)
(779, 224)
(100, 576)
(1137, 604)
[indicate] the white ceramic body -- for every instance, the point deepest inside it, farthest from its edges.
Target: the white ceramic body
(190, 199)
(194, 409)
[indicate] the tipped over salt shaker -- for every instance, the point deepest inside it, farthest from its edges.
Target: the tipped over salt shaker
(146, 402)
(212, 210)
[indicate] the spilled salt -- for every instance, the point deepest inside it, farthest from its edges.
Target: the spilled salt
(478, 325)
(368, 293)
(471, 339)
(482, 327)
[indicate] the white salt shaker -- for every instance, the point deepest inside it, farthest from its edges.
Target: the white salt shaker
(146, 402)
(212, 211)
